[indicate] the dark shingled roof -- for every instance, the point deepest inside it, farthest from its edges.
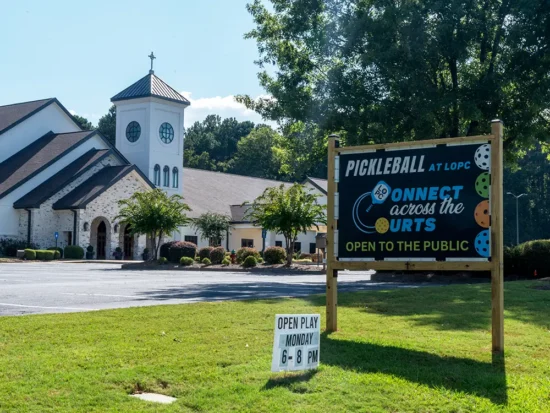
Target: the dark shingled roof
(93, 187)
(147, 86)
(36, 157)
(58, 181)
(11, 115)
(320, 184)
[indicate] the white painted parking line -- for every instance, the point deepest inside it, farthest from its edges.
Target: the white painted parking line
(47, 308)
(107, 295)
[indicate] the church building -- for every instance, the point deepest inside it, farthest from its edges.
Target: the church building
(58, 179)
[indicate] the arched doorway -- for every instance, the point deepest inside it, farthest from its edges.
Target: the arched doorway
(101, 240)
(128, 243)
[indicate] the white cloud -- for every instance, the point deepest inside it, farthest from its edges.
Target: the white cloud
(224, 106)
(72, 112)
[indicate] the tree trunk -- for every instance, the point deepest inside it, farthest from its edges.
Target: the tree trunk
(289, 250)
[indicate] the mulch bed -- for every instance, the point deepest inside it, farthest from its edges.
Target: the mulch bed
(271, 269)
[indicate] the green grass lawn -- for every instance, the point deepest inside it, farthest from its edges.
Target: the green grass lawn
(410, 350)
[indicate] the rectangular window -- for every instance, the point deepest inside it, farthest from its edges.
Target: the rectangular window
(247, 243)
(192, 238)
(312, 247)
(297, 247)
(278, 243)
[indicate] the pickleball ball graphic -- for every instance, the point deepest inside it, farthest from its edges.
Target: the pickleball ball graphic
(481, 214)
(481, 243)
(482, 185)
(382, 225)
(482, 157)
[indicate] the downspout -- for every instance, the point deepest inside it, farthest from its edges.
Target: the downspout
(74, 226)
(29, 223)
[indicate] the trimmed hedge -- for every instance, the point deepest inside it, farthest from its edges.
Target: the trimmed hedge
(59, 250)
(186, 261)
(162, 260)
(226, 261)
(250, 261)
(45, 255)
(245, 252)
(206, 261)
(164, 250)
(217, 255)
(74, 252)
(30, 254)
(181, 249)
(204, 252)
(525, 259)
(275, 255)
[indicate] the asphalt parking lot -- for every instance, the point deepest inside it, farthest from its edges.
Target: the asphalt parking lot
(56, 287)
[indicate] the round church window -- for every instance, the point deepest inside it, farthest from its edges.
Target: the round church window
(133, 130)
(166, 132)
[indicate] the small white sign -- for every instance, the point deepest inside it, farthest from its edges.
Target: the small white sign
(297, 342)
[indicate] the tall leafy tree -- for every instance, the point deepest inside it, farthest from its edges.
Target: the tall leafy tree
(382, 70)
(154, 214)
(288, 211)
(83, 123)
(212, 226)
(259, 154)
(216, 137)
(107, 125)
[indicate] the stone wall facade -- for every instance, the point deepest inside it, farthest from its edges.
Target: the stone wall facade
(45, 221)
(105, 207)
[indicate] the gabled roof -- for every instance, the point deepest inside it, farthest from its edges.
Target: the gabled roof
(38, 156)
(61, 179)
(148, 86)
(320, 184)
(12, 115)
(207, 191)
(94, 186)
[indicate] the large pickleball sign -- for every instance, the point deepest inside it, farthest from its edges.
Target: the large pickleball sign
(428, 202)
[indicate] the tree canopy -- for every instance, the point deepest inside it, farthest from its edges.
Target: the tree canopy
(83, 123)
(383, 71)
(212, 226)
(154, 214)
(107, 125)
(288, 211)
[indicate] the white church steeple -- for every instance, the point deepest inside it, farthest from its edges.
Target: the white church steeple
(149, 129)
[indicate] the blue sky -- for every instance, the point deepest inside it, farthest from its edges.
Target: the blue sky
(84, 52)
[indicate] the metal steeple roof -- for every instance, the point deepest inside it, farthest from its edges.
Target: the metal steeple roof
(150, 86)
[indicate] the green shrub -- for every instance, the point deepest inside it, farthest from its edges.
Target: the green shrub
(73, 252)
(59, 249)
(226, 261)
(185, 261)
(162, 260)
(245, 252)
(206, 261)
(304, 256)
(205, 252)
(164, 250)
(250, 261)
(9, 246)
(181, 249)
(217, 255)
(197, 259)
(45, 255)
(524, 259)
(30, 254)
(275, 255)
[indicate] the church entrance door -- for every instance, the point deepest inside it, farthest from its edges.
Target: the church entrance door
(128, 243)
(101, 240)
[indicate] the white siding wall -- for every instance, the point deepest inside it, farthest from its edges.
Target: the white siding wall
(9, 222)
(51, 118)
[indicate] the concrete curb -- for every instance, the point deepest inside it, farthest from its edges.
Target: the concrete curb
(256, 270)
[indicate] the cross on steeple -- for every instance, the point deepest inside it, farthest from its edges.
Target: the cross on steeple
(152, 57)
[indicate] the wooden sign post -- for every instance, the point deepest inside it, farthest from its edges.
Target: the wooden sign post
(425, 205)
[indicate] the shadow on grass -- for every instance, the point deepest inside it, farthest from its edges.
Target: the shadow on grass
(291, 381)
(486, 380)
(462, 307)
